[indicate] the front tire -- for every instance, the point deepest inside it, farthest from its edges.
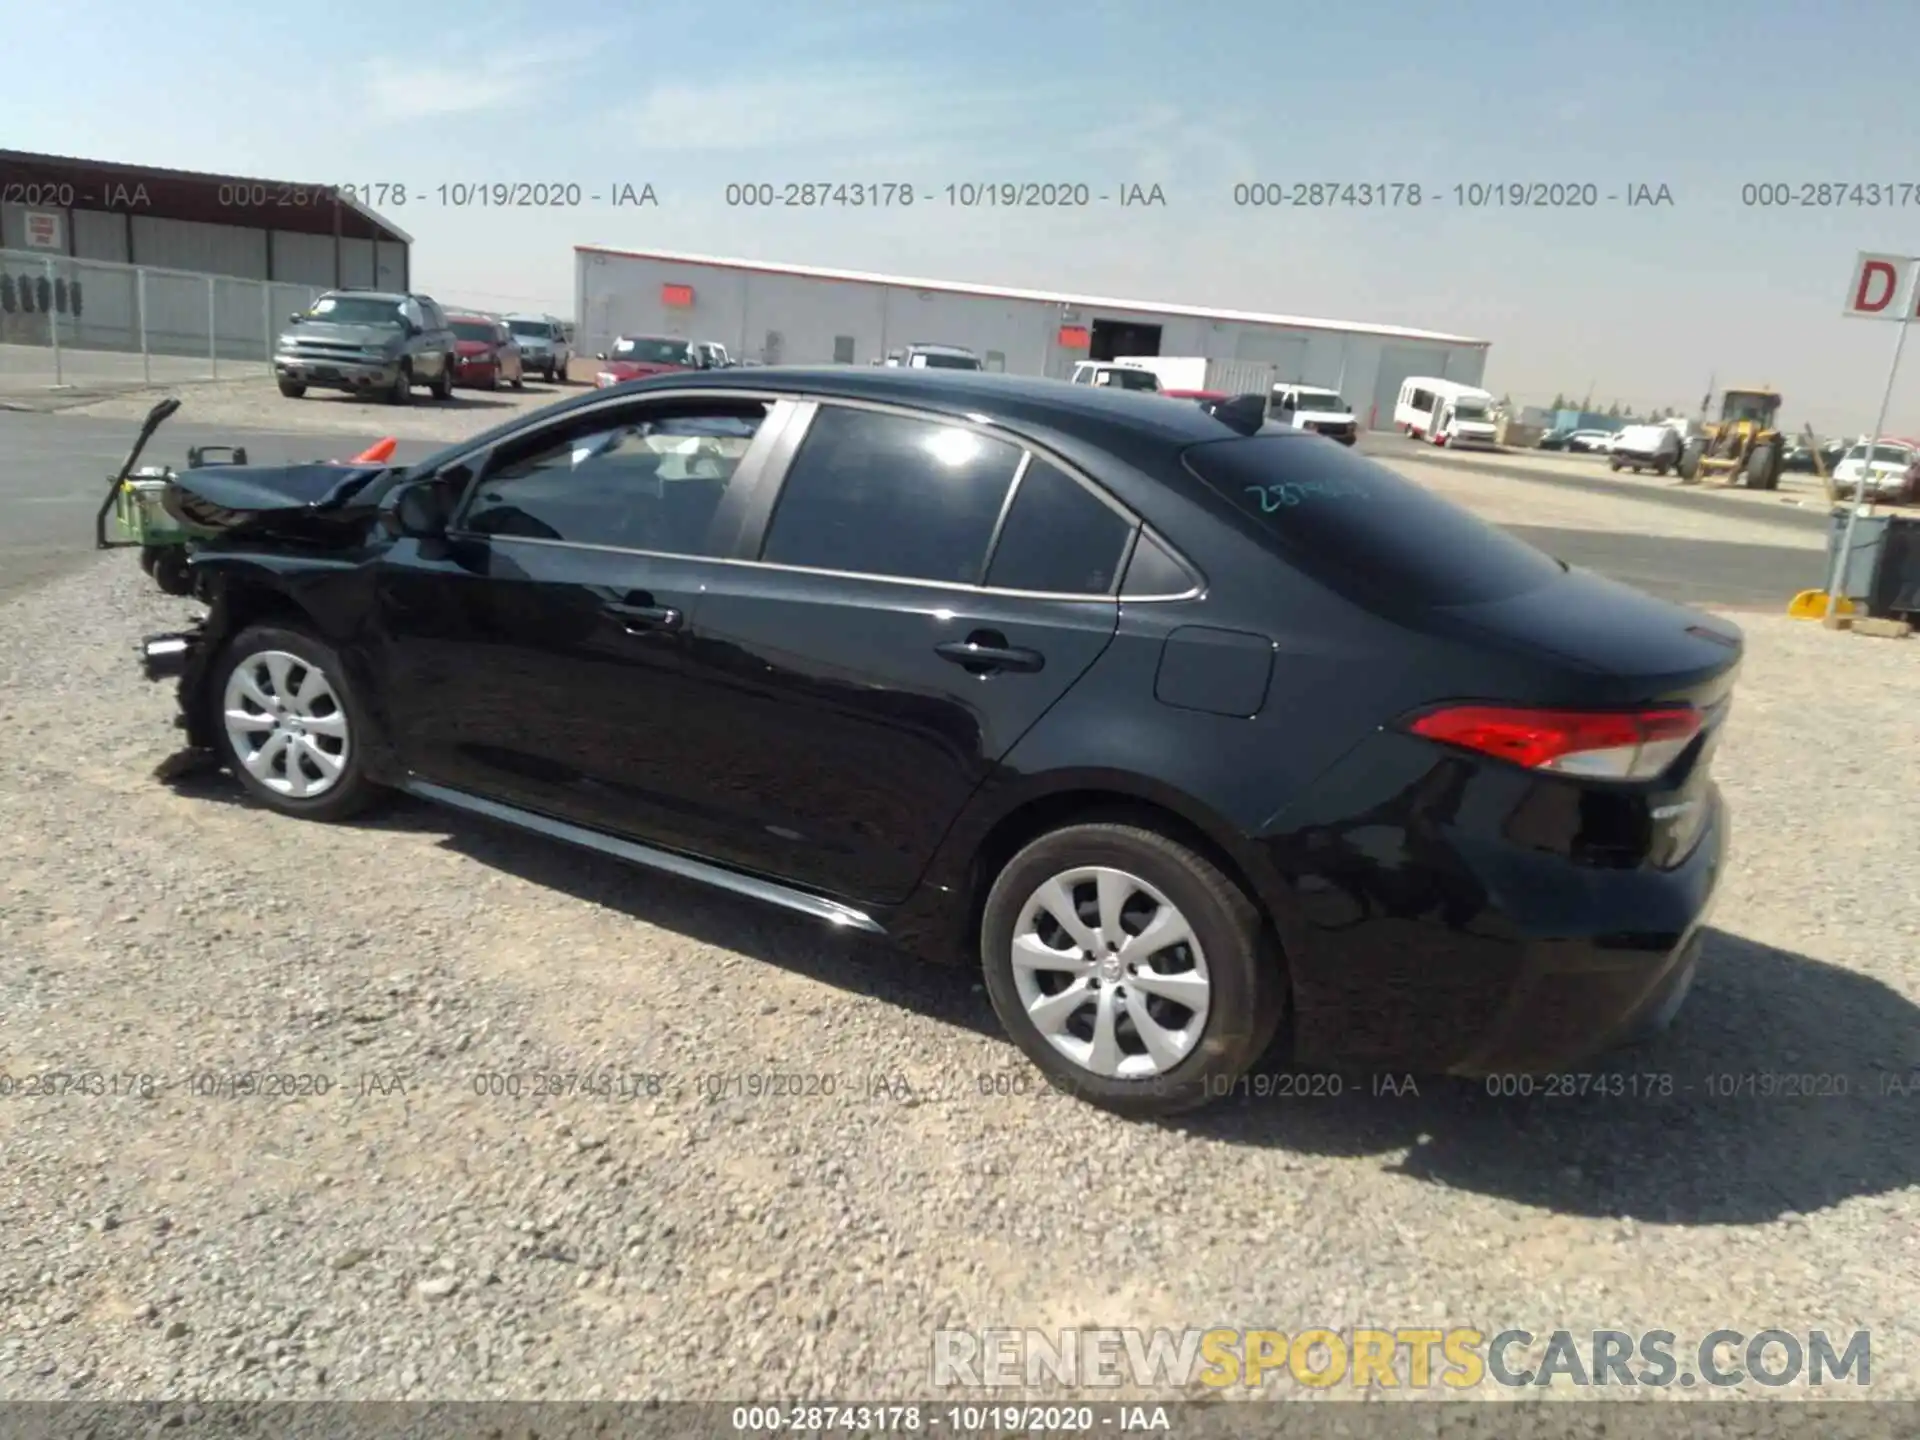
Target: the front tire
(401, 391)
(292, 389)
(1129, 969)
(443, 382)
(289, 726)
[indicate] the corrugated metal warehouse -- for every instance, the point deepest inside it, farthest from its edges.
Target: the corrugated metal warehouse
(795, 314)
(189, 262)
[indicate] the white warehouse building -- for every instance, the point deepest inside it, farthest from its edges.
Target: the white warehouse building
(796, 314)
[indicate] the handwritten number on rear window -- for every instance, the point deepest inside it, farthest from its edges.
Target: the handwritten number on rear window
(1284, 497)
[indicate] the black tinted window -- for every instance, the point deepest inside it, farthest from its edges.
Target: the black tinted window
(1059, 537)
(885, 495)
(1354, 524)
(1154, 571)
(654, 483)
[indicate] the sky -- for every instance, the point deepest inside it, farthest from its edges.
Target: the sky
(1640, 304)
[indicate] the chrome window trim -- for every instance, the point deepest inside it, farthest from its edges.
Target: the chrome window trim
(798, 423)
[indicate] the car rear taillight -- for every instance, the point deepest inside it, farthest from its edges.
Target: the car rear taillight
(1599, 745)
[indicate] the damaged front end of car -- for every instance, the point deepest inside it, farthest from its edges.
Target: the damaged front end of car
(266, 532)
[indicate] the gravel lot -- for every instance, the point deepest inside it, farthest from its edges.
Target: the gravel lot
(410, 1235)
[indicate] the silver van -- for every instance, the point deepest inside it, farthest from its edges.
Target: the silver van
(546, 344)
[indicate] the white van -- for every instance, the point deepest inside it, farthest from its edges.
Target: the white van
(1445, 412)
(1120, 375)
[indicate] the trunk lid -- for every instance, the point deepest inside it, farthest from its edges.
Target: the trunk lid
(1605, 645)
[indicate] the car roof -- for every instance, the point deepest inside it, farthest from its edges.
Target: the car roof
(1100, 415)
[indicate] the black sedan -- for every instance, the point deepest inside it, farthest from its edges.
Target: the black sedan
(1192, 735)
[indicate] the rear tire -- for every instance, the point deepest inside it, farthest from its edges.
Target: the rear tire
(311, 734)
(292, 389)
(1229, 968)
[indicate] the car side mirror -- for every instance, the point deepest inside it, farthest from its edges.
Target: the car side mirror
(413, 327)
(599, 354)
(420, 509)
(296, 317)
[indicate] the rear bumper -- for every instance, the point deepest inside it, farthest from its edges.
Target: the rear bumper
(1475, 955)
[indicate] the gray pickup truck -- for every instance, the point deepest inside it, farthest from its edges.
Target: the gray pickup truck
(367, 342)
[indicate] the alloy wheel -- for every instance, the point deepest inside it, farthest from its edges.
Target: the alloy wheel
(286, 724)
(1111, 973)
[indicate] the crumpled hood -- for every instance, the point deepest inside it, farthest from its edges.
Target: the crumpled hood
(225, 497)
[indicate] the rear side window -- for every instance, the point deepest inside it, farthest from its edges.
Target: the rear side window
(1059, 537)
(875, 494)
(1352, 523)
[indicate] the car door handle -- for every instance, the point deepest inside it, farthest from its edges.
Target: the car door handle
(982, 655)
(646, 617)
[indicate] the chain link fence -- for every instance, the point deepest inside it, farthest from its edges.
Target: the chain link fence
(94, 324)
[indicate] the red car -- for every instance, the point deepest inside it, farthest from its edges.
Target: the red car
(485, 353)
(634, 356)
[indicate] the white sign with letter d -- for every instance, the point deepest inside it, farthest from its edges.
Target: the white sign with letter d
(1876, 287)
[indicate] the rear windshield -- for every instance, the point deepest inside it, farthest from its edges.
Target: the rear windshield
(1352, 523)
(935, 361)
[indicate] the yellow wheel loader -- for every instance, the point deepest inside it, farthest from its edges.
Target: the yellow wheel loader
(1745, 447)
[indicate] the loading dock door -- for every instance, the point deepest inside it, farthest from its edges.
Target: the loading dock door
(1397, 362)
(1286, 353)
(1112, 339)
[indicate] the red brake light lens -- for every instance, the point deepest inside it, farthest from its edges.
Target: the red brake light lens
(1601, 745)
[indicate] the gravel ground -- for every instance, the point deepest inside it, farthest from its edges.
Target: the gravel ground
(410, 1234)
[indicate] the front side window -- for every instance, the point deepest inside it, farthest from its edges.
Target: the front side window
(652, 483)
(879, 494)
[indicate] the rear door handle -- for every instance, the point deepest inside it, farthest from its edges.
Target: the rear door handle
(983, 658)
(646, 617)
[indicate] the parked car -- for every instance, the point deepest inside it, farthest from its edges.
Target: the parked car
(367, 342)
(1589, 442)
(633, 357)
(933, 357)
(713, 355)
(987, 666)
(1315, 408)
(1893, 474)
(485, 355)
(545, 348)
(1799, 457)
(1645, 447)
(1123, 377)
